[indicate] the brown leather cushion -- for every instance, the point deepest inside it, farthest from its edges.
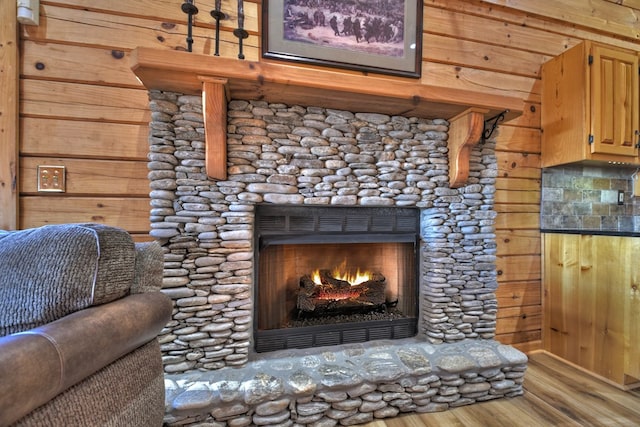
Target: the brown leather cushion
(37, 365)
(51, 271)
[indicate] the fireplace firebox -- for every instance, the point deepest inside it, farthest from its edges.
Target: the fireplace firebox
(334, 275)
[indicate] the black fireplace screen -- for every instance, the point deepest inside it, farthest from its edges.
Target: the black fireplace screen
(334, 275)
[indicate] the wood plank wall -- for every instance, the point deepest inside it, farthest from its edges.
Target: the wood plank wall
(9, 80)
(81, 107)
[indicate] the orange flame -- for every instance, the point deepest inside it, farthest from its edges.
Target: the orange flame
(353, 278)
(341, 273)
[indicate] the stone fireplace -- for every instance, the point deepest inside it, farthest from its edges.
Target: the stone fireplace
(296, 158)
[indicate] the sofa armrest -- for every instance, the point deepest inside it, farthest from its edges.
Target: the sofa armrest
(39, 364)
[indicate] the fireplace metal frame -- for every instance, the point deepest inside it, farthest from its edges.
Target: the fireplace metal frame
(343, 333)
(286, 224)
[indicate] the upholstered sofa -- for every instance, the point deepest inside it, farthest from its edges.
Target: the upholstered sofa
(80, 311)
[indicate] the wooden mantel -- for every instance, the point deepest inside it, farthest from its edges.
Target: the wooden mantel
(222, 79)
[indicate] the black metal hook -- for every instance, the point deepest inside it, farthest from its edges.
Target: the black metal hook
(493, 121)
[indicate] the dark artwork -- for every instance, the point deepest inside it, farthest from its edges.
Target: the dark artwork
(369, 26)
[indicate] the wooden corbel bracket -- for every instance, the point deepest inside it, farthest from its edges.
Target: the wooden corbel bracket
(465, 130)
(214, 112)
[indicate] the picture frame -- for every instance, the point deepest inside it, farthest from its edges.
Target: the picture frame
(377, 36)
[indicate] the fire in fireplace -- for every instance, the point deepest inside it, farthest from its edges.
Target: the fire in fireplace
(340, 291)
(334, 275)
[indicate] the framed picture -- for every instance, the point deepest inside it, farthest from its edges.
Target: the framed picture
(381, 36)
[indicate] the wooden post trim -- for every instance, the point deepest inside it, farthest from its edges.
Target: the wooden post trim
(214, 111)
(9, 143)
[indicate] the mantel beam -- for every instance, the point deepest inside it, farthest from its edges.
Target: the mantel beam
(290, 84)
(221, 79)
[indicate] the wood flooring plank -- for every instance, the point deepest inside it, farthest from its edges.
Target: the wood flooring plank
(589, 390)
(512, 412)
(555, 394)
(447, 418)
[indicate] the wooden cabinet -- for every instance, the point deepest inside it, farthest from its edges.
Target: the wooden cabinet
(592, 304)
(632, 308)
(590, 106)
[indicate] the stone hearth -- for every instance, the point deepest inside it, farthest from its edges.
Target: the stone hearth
(293, 155)
(357, 384)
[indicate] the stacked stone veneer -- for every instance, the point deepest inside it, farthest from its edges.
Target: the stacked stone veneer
(313, 156)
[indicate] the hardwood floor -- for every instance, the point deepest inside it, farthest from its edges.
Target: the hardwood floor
(556, 394)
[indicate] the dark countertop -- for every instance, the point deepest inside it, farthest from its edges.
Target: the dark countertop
(594, 232)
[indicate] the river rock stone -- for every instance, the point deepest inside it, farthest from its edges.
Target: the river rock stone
(298, 155)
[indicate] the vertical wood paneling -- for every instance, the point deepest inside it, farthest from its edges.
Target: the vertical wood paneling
(8, 115)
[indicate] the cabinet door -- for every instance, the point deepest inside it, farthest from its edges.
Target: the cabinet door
(607, 333)
(614, 101)
(632, 308)
(591, 306)
(565, 268)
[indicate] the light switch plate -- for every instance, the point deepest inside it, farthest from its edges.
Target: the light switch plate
(51, 179)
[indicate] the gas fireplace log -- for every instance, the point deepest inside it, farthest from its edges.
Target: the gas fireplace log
(335, 296)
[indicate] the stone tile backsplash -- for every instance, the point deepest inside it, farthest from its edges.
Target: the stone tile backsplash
(580, 197)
